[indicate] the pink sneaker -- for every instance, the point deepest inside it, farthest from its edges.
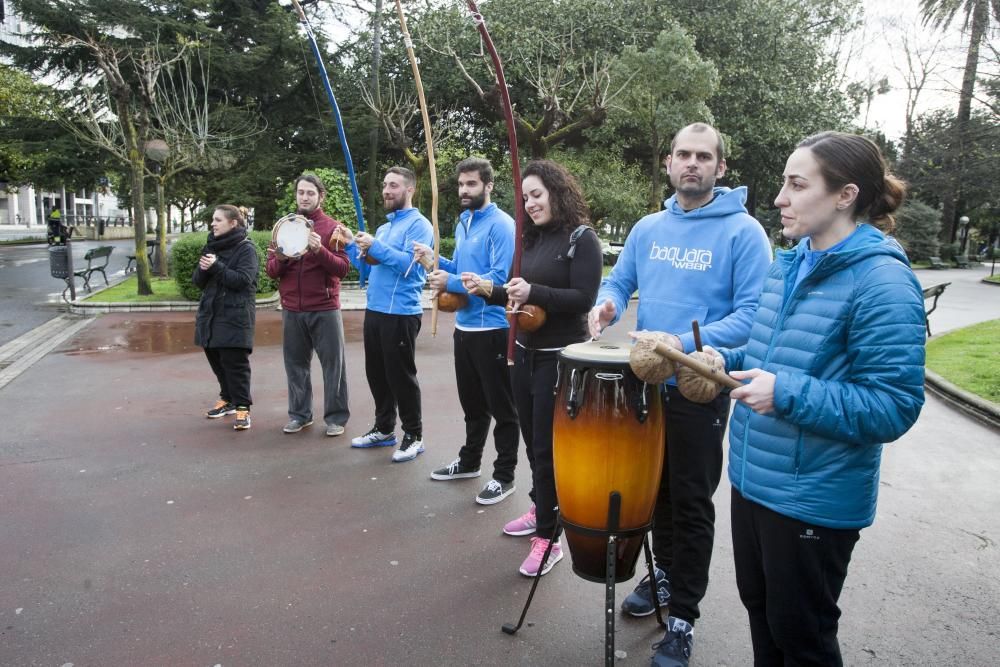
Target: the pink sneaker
(522, 525)
(529, 567)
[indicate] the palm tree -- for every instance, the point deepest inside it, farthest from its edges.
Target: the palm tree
(976, 18)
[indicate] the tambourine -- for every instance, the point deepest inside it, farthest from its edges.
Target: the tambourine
(291, 235)
(530, 318)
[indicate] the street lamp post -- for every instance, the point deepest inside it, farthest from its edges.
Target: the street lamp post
(157, 152)
(963, 225)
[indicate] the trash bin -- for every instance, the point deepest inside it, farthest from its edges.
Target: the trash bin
(59, 261)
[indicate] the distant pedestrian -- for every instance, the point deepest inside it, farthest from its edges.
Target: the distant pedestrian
(224, 325)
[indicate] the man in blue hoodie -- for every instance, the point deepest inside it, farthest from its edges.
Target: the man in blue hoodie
(484, 245)
(702, 258)
(392, 316)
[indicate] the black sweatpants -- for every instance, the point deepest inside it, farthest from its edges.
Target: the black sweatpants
(534, 381)
(790, 575)
(390, 365)
(231, 366)
(684, 517)
(484, 390)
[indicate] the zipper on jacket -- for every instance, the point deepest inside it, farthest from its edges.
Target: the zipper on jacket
(798, 454)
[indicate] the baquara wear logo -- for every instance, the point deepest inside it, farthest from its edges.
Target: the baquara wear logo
(688, 259)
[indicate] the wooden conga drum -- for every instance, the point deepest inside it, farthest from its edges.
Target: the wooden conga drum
(608, 447)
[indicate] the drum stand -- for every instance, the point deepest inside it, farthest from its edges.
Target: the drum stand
(612, 534)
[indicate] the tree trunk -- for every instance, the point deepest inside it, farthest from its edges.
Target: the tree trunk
(953, 209)
(161, 227)
(655, 188)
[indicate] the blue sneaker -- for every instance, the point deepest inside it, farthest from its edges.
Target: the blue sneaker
(640, 601)
(374, 438)
(674, 650)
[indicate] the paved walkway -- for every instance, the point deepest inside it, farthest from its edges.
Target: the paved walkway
(136, 532)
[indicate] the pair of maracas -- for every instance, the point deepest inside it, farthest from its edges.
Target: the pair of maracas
(700, 376)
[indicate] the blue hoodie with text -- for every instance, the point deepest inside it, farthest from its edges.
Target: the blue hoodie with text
(484, 244)
(707, 264)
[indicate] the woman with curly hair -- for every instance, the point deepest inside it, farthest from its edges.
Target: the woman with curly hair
(564, 284)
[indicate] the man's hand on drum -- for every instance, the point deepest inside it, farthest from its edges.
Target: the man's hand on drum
(206, 261)
(599, 318)
(438, 281)
(759, 393)
(315, 242)
(518, 290)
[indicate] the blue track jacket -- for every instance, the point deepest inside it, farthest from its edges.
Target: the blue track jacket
(484, 244)
(388, 291)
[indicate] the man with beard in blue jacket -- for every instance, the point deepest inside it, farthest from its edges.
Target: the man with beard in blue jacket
(702, 258)
(392, 316)
(484, 245)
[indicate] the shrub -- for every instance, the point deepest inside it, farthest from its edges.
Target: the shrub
(184, 254)
(339, 202)
(917, 229)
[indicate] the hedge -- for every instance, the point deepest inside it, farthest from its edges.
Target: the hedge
(184, 254)
(185, 251)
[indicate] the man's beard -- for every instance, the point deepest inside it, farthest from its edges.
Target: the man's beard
(306, 211)
(693, 189)
(393, 205)
(476, 202)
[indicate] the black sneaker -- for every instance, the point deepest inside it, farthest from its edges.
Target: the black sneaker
(454, 470)
(221, 409)
(494, 492)
(674, 650)
(640, 601)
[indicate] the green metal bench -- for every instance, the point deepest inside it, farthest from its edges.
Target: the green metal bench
(95, 255)
(962, 261)
(936, 263)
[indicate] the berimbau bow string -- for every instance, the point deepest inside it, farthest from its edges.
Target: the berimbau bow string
(508, 116)
(430, 152)
(362, 268)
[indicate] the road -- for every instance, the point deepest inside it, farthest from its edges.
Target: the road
(30, 296)
(136, 532)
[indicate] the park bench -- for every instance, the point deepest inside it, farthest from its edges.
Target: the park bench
(95, 255)
(962, 261)
(932, 292)
(936, 263)
(150, 249)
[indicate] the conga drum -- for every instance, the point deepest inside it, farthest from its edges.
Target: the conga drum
(291, 235)
(607, 448)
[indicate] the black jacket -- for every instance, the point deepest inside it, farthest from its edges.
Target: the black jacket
(227, 310)
(564, 287)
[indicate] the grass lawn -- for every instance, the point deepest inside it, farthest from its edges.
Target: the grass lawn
(994, 279)
(164, 289)
(30, 240)
(969, 358)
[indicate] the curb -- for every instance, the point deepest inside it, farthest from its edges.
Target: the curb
(21, 353)
(978, 408)
(87, 307)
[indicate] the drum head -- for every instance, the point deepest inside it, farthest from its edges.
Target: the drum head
(597, 353)
(291, 235)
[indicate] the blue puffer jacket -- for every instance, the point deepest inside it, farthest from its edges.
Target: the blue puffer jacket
(847, 348)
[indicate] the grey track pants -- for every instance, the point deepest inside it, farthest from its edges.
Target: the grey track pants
(322, 332)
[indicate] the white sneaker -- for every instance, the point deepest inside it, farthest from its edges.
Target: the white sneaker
(408, 450)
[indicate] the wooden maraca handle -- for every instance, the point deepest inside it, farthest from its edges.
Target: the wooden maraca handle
(678, 357)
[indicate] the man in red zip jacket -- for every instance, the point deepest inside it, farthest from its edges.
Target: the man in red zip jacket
(310, 300)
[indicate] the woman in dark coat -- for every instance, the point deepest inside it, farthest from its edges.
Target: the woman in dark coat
(224, 326)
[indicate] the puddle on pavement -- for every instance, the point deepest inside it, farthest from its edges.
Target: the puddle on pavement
(166, 335)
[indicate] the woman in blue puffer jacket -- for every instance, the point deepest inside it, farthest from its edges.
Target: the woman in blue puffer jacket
(835, 364)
